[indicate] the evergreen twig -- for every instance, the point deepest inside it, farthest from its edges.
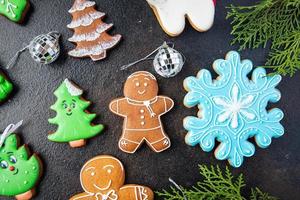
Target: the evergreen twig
(274, 21)
(216, 185)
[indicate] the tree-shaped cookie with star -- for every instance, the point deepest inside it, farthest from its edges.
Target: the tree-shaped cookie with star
(74, 122)
(232, 109)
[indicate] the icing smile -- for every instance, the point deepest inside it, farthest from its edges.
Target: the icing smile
(104, 188)
(69, 114)
(141, 92)
(17, 171)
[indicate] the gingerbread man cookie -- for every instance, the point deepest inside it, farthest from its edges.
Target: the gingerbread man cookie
(171, 14)
(102, 178)
(142, 108)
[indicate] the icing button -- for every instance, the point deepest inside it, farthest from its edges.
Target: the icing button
(142, 123)
(142, 117)
(142, 111)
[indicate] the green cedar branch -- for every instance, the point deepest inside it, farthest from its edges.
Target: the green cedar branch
(216, 185)
(270, 21)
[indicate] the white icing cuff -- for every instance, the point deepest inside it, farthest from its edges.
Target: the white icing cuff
(78, 6)
(91, 36)
(97, 49)
(86, 20)
(72, 89)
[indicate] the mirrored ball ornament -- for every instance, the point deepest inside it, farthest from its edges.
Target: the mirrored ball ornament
(168, 62)
(45, 48)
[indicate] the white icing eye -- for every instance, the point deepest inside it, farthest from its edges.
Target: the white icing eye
(93, 174)
(12, 159)
(145, 84)
(137, 84)
(3, 164)
(109, 171)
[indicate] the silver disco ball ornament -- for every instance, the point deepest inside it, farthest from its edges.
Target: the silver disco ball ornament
(45, 48)
(168, 62)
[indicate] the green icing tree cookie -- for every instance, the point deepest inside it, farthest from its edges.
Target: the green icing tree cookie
(74, 123)
(19, 173)
(14, 10)
(5, 87)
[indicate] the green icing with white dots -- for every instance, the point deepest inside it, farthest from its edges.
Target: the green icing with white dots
(19, 173)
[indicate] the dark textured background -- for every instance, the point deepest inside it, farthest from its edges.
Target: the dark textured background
(275, 170)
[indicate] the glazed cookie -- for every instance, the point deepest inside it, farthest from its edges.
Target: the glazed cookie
(232, 109)
(142, 109)
(90, 32)
(171, 14)
(19, 172)
(74, 122)
(15, 10)
(103, 178)
(6, 87)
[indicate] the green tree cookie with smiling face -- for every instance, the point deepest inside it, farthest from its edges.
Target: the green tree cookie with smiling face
(19, 173)
(5, 87)
(74, 122)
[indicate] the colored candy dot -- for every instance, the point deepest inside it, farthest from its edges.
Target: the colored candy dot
(25, 182)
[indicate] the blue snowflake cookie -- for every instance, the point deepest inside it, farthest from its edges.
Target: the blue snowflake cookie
(232, 109)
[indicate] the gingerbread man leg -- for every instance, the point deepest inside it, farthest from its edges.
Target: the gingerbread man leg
(157, 140)
(135, 192)
(130, 141)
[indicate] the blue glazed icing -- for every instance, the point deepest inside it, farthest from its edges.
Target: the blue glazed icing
(232, 109)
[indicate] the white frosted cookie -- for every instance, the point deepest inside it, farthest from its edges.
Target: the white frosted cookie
(171, 14)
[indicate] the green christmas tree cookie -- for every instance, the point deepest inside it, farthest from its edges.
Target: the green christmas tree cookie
(14, 10)
(19, 173)
(74, 122)
(6, 87)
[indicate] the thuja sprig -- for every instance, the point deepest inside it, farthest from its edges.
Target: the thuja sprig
(216, 185)
(274, 21)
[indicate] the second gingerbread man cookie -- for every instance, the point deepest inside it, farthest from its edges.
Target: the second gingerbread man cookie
(142, 108)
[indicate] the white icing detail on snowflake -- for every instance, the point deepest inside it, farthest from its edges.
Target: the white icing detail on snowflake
(95, 50)
(91, 36)
(235, 107)
(86, 20)
(10, 7)
(72, 89)
(79, 6)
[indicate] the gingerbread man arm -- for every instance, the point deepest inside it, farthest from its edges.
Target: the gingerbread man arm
(169, 103)
(117, 106)
(82, 196)
(135, 192)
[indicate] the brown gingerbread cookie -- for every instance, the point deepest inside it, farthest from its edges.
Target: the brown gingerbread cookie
(102, 178)
(142, 108)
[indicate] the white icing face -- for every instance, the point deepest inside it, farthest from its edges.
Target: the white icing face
(171, 14)
(102, 174)
(141, 87)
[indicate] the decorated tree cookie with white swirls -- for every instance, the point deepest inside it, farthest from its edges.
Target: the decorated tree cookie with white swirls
(232, 109)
